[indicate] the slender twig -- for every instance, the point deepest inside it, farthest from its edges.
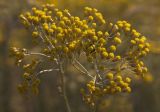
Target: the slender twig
(80, 70)
(63, 87)
(47, 39)
(40, 54)
(75, 60)
(45, 71)
(97, 70)
(43, 40)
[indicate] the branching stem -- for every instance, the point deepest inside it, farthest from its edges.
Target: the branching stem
(63, 87)
(80, 70)
(40, 54)
(45, 71)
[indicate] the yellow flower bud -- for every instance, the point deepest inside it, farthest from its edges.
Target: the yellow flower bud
(60, 36)
(78, 30)
(71, 46)
(145, 69)
(118, 89)
(118, 57)
(106, 34)
(104, 54)
(127, 29)
(128, 89)
(90, 58)
(35, 34)
(147, 45)
(100, 33)
(118, 78)
(147, 50)
(62, 24)
(128, 80)
(94, 25)
(133, 42)
(53, 26)
(117, 40)
(111, 55)
(141, 46)
(46, 27)
(50, 31)
(113, 48)
(26, 76)
(90, 18)
(112, 83)
(95, 38)
(109, 76)
(102, 40)
(59, 14)
(65, 49)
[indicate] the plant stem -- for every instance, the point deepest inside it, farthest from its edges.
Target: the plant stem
(64, 88)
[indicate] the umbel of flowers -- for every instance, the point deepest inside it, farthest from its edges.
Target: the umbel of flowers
(114, 50)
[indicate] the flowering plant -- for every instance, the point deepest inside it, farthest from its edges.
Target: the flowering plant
(112, 50)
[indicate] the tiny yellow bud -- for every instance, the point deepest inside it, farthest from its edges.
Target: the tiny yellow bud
(65, 49)
(141, 46)
(53, 26)
(145, 69)
(118, 57)
(147, 45)
(59, 36)
(127, 29)
(94, 25)
(78, 30)
(136, 34)
(35, 34)
(128, 80)
(118, 89)
(62, 24)
(59, 14)
(50, 31)
(117, 40)
(26, 76)
(112, 83)
(113, 48)
(100, 33)
(133, 42)
(95, 38)
(109, 75)
(127, 25)
(128, 89)
(46, 27)
(106, 34)
(146, 49)
(71, 46)
(90, 18)
(105, 54)
(118, 78)
(102, 40)
(111, 55)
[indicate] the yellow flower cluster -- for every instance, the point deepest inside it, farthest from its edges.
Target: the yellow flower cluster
(30, 79)
(19, 54)
(25, 87)
(94, 16)
(113, 84)
(138, 47)
(66, 37)
(31, 82)
(115, 81)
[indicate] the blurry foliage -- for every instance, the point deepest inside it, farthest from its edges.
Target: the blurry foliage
(143, 14)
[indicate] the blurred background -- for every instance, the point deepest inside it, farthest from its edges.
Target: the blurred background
(144, 15)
